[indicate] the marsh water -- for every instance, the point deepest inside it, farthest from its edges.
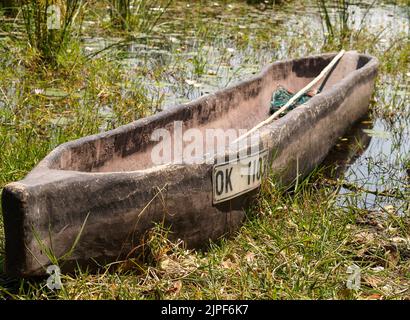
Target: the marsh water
(209, 47)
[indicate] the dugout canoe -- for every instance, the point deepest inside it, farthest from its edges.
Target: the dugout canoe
(108, 183)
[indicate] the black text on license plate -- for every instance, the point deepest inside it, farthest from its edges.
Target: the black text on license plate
(234, 178)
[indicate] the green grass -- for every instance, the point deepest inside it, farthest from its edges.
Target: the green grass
(49, 26)
(293, 245)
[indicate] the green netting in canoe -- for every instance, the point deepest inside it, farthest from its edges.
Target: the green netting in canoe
(281, 96)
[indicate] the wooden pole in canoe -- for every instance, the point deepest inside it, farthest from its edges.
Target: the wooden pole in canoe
(296, 96)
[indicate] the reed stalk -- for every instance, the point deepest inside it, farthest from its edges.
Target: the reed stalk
(48, 25)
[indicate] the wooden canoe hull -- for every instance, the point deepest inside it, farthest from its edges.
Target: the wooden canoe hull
(100, 178)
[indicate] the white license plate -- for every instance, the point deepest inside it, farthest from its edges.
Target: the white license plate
(237, 177)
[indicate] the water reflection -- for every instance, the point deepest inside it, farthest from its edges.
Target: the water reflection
(348, 149)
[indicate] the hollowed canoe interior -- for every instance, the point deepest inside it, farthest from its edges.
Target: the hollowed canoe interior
(240, 107)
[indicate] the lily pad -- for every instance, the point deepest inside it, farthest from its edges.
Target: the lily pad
(61, 121)
(54, 93)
